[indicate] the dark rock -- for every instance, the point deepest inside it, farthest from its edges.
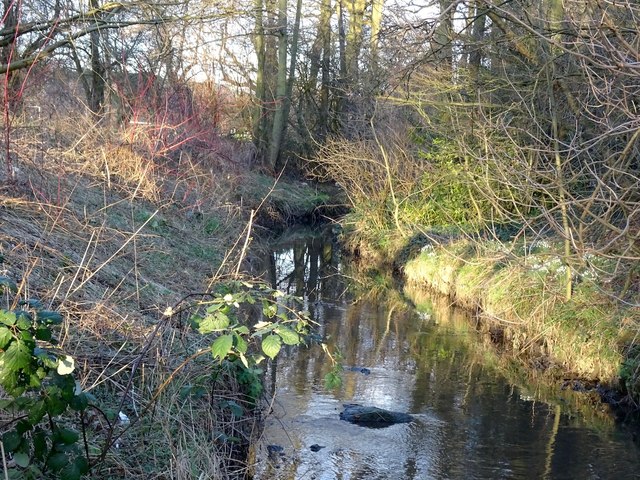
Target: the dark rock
(373, 417)
(316, 448)
(275, 451)
(362, 370)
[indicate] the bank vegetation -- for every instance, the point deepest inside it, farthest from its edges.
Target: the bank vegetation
(487, 150)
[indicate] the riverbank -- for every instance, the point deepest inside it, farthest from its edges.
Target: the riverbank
(111, 237)
(517, 293)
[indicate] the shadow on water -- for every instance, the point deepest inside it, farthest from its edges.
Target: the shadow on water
(470, 421)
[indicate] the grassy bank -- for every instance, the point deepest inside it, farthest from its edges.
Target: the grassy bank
(517, 291)
(109, 234)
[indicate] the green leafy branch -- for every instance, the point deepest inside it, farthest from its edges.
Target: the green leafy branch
(37, 375)
(230, 316)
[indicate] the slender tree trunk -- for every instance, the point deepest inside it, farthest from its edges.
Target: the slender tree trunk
(292, 76)
(376, 24)
(342, 41)
(96, 97)
(259, 113)
(9, 100)
(556, 17)
(443, 47)
(281, 86)
(323, 121)
(356, 9)
(320, 62)
(479, 28)
(342, 81)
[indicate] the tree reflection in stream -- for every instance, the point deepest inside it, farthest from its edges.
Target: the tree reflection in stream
(470, 422)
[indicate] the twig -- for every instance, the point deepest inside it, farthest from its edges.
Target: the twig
(247, 238)
(4, 461)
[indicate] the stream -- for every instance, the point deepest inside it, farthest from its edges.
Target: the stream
(473, 419)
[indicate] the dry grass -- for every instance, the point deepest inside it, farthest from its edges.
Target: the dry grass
(109, 234)
(525, 307)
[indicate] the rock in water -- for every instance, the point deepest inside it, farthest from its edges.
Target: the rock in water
(362, 370)
(373, 417)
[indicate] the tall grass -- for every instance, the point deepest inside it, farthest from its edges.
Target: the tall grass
(110, 234)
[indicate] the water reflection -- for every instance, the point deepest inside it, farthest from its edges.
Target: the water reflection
(470, 422)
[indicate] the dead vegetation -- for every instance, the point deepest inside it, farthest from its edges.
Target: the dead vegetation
(110, 234)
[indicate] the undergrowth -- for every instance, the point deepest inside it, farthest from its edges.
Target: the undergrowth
(109, 232)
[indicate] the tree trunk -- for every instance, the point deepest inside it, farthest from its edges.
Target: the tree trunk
(96, 92)
(323, 121)
(320, 59)
(356, 10)
(259, 114)
(442, 47)
(281, 86)
(477, 35)
(376, 24)
(292, 76)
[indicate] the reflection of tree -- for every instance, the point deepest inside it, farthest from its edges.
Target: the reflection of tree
(306, 268)
(484, 429)
(299, 268)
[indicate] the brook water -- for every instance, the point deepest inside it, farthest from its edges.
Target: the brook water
(473, 417)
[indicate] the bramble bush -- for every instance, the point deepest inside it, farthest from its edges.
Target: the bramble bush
(37, 376)
(45, 401)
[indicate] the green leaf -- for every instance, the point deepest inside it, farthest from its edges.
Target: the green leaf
(271, 346)
(79, 402)
(48, 359)
(49, 317)
(222, 346)
(43, 334)
(289, 337)
(11, 441)
(27, 338)
(242, 329)
(39, 439)
(23, 426)
(214, 323)
(7, 317)
(214, 307)
(332, 380)
(32, 303)
(22, 459)
(34, 380)
(56, 405)
(67, 436)
(57, 461)
(263, 327)
(241, 343)
(269, 309)
(25, 322)
(243, 359)
(236, 409)
(7, 283)
(75, 470)
(5, 337)
(37, 412)
(16, 357)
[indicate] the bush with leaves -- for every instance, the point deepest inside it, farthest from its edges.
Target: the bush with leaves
(230, 315)
(36, 375)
